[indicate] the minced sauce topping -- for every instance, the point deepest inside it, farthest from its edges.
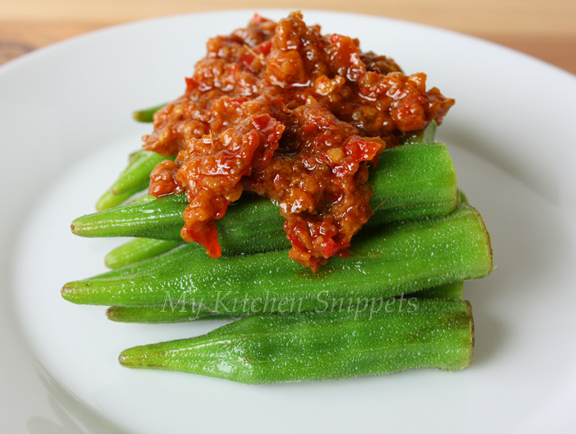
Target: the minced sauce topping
(281, 110)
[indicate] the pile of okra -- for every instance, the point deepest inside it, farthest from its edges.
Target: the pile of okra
(396, 303)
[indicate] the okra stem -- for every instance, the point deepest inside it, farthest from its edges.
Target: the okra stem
(322, 345)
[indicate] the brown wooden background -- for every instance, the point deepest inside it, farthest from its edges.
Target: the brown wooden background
(542, 28)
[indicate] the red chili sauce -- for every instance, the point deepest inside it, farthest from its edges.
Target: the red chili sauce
(282, 111)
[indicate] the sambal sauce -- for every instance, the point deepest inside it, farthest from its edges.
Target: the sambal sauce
(280, 110)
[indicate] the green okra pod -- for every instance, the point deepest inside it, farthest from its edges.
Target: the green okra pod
(399, 258)
(426, 136)
(176, 312)
(448, 291)
(110, 200)
(137, 250)
(146, 115)
(322, 345)
(133, 179)
(410, 181)
(137, 172)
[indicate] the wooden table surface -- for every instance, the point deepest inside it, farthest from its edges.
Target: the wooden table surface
(545, 29)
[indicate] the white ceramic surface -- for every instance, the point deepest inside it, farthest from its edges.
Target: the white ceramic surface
(66, 131)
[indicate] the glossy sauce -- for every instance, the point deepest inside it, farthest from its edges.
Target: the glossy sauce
(282, 111)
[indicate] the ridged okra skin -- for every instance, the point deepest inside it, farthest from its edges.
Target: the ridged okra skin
(399, 258)
(449, 291)
(175, 312)
(137, 172)
(322, 345)
(410, 181)
(133, 179)
(137, 250)
(110, 200)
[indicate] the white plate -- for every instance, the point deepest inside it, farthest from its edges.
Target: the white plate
(65, 133)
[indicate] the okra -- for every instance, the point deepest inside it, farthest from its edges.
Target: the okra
(449, 291)
(110, 200)
(395, 259)
(175, 312)
(410, 181)
(137, 250)
(137, 172)
(133, 179)
(144, 266)
(146, 115)
(322, 345)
